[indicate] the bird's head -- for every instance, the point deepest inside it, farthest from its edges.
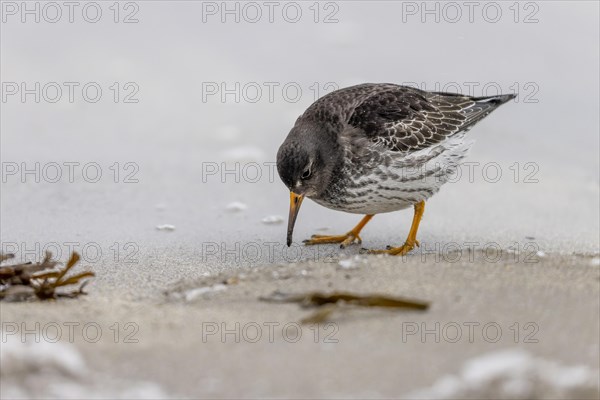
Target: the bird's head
(301, 168)
(306, 165)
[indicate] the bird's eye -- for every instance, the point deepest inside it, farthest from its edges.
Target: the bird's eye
(306, 174)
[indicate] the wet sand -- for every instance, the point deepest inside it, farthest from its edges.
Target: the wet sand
(212, 337)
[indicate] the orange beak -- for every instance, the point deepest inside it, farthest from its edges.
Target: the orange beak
(295, 202)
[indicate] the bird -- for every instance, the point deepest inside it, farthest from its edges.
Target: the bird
(376, 148)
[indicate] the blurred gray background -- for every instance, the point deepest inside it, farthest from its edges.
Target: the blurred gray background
(195, 99)
(168, 143)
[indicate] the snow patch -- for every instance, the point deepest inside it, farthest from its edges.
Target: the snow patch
(243, 154)
(43, 369)
(352, 263)
(272, 220)
(165, 227)
(236, 206)
(514, 374)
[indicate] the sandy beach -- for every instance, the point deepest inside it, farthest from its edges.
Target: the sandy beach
(165, 184)
(212, 337)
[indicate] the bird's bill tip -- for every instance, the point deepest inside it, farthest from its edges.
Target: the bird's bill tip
(295, 202)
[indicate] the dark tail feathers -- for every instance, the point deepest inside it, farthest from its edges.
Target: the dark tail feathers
(496, 100)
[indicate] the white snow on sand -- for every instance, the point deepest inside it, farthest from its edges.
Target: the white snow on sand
(514, 374)
(236, 206)
(165, 227)
(272, 220)
(228, 133)
(58, 370)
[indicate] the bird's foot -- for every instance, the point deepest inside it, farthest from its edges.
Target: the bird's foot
(343, 240)
(395, 251)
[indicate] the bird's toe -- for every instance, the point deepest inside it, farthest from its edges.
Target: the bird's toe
(351, 238)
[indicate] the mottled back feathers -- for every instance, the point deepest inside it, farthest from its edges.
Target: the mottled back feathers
(376, 148)
(400, 118)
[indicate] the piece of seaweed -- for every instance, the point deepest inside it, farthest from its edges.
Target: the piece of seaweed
(21, 282)
(327, 303)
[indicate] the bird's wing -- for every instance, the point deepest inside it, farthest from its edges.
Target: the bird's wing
(404, 119)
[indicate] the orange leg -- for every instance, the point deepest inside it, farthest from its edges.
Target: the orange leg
(344, 240)
(411, 240)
